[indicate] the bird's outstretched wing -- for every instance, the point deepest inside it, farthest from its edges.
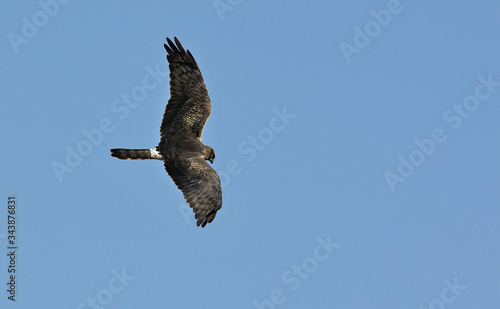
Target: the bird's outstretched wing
(189, 105)
(200, 184)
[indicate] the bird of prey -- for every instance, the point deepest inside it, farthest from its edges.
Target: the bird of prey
(180, 147)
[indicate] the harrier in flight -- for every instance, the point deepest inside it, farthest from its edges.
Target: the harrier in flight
(181, 150)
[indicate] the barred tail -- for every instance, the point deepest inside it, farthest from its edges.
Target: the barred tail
(136, 154)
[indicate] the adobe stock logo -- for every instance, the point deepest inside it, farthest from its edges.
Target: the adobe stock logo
(122, 106)
(363, 37)
(105, 296)
(427, 146)
(448, 295)
(29, 29)
(223, 6)
(294, 276)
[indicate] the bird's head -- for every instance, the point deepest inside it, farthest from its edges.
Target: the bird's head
(209, 154)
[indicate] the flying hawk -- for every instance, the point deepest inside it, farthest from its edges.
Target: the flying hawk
(180, 148)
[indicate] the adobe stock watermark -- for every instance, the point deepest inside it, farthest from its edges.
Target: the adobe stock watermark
(105, 295)
(224, 6)
(122, 106)
(447, 296)
(452, 116)
(363, 36)
(48, 9)
(296, 274)
(250, 148)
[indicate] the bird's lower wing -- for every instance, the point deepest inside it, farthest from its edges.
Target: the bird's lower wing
(200, 184)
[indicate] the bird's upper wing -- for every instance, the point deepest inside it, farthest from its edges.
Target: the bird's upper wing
(189, 105)
(200, 184)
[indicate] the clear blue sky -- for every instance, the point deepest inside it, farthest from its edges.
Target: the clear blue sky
(357, 143)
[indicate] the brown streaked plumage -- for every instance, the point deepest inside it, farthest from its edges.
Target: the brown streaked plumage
(184, 155)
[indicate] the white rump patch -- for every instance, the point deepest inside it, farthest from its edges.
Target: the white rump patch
(155, 154)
